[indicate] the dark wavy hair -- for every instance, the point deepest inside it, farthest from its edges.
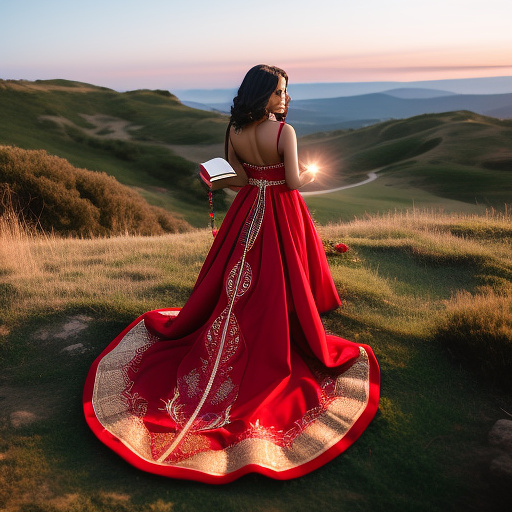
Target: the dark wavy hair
(250, 103)
(257, 86)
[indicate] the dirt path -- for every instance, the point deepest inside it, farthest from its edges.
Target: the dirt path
(105, 127)
(372, 176)
(108, 127)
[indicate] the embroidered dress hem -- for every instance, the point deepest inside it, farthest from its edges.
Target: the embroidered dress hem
(244, 377)
(329, 430)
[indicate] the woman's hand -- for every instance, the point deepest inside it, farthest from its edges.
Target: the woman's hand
(306, 177)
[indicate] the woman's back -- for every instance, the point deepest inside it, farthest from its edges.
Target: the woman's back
(257, 143)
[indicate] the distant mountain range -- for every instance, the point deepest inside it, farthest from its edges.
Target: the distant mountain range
(327, 114)
(308, 116)
(488, 85)
(335, 106)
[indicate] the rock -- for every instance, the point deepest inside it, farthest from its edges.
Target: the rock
(501, 467)
(71, 327)
(74, 326)
(501, 435)
(78, 348)
(22, 418)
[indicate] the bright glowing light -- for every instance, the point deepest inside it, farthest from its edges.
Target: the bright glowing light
(312, 168)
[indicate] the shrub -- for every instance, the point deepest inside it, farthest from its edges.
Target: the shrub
(498, 164)
(53, 195)
(477, 330)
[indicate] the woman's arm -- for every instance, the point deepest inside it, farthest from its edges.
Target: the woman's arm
(295, 176)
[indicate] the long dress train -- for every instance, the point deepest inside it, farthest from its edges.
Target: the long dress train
(244, 377)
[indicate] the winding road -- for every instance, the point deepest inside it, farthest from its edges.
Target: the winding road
(371, 177)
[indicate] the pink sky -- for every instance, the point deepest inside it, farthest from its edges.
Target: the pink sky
(127, 44)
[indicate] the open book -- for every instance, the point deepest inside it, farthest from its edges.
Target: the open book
(216, 169)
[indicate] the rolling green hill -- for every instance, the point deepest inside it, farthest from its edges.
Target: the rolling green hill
(127, 135)
(157, 114)
(148, 140)
(459, 156)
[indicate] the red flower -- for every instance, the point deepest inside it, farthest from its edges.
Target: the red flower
(214, 232)
(341, 247)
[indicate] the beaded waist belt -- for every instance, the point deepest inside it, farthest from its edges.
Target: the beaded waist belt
(265, 183)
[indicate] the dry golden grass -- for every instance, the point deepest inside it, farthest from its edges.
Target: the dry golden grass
(405, 278)
(391, 224)
(398, 274)
(477, 328)
(50, 271)
(46, 272)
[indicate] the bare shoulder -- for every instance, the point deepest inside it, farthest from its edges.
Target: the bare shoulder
(288, 136)
(288, 130)
(268, 126)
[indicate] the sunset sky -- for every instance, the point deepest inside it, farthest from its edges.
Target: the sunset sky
(168, 44)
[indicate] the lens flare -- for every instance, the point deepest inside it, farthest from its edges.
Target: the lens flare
(312, 168)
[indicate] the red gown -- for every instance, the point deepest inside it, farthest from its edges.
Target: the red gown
(244, 378)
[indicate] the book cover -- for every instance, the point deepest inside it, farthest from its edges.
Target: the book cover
(216, 169)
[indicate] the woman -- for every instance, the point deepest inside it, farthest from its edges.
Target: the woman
(244, 379)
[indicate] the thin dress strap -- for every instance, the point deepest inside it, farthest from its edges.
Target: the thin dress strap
(280, 129)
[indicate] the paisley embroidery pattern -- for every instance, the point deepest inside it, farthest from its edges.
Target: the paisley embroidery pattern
(222, 341)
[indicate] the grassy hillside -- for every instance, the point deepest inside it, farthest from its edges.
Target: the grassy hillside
(460, 156)
(429, 292)
(148, 140)
(157, 114)
(127, 135)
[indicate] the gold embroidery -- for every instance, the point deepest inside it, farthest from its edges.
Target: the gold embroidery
(220, 348)
(112, 391)
(265, 183)
(268, 447)
(266, 167)
(254, 220)
(192, 382)
(223, 391)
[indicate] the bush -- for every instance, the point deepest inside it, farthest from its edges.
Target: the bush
(53, 195)
(477, 330)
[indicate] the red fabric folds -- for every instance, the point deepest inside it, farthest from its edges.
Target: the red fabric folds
(244, 377)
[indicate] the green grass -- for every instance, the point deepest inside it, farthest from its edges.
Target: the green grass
(162, 116)
(458, 182)
(457, 156)
(382, 195)
(426, 449)
(158, 119)
(454, 160)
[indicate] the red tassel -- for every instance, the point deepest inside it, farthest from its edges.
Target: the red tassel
(212, 214)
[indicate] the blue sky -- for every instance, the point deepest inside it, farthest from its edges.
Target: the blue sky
(127, 44)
